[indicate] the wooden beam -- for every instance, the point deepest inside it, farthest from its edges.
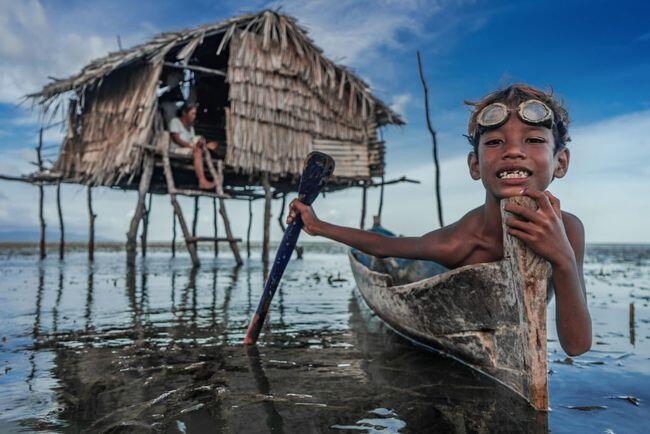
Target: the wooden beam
(143, 188)
(91, 224)
(61, 227)
(173, 234)
(364, 200)
(41, 196)
(145, 227)
(248, 230)
(267, 217)
(229, 236)
(215, 226)
(196, 215)
(196, 68)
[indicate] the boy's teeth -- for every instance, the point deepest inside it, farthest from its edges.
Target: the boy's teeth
(513, 174)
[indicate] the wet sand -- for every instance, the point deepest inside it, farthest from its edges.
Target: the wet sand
(101, 348)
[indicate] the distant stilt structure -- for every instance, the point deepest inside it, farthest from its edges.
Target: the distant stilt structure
(267, 217)
(215, 226)
(61, 228)
(143, 188)
(250, 224)
(145, 227)
(41, 195)
(91, 224)
(173, 234)
(364, 199)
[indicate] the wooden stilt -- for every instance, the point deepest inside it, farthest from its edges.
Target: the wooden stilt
(173, 235)
(250, 224)
(215, 226)
(267, 217)
(91, 224)
(231, 239)
(381, 199)
(196, 216)
(145, 227)
(61, 228)
(364, 198)
(41, 195)
(143, 188)
(171, 188)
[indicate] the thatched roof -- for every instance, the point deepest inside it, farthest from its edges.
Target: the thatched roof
(272, 26)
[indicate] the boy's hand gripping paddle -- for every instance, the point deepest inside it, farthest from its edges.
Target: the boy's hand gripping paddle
(318, 167)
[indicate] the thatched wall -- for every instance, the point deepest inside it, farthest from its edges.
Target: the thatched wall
(116, 115)
(280, 101)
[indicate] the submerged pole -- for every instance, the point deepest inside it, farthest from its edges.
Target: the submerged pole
(250, 224)
(61, 228)
(196, 215)
(91, 225)
(364, 200)
(41, 195)
(267, 217)
(143, 188)
(215, 226)
(173, 234)
(145, 227)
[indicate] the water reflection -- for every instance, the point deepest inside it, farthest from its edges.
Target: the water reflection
(156, 347)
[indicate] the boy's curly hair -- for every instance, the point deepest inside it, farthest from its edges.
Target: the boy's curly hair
(514, 95)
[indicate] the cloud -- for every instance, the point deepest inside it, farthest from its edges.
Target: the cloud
(645, 37)
(399, 102)
(36, 43)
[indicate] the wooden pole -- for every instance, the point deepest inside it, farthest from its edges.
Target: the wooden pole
(215, 226)
(91, 225)
(364, 200)
(61, 228)
(250, 224)
(381, 199)
(229, 235)
(143, 188)
(267, 217)
(145, 227)
(173, 234)
(196, 216)
(433, 137)
(41, 196)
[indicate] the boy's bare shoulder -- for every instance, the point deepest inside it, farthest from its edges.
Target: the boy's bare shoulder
(573, 226)
(449, 245)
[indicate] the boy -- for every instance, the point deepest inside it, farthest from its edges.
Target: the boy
(519, 137)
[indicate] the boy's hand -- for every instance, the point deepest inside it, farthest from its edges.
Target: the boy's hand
(309, 220)
(542, 230)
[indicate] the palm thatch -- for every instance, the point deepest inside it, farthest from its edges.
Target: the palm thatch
(284, 99)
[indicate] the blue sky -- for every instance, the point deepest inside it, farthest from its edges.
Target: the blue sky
(595, 55)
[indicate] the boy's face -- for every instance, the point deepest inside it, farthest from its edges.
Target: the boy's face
(516, 156)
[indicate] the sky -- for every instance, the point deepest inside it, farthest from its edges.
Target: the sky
(594, 55)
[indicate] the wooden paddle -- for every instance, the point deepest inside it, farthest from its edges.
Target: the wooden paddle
(318, 167)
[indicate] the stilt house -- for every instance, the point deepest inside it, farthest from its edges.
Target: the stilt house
(264, 91)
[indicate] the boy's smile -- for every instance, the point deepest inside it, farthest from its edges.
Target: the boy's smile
(516, 156)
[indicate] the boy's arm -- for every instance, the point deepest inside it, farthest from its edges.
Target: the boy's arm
(369, 242)
(559, 238)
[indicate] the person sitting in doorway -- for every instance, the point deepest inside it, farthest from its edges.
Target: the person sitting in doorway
(185, 141)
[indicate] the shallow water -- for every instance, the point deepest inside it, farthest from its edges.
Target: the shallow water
(101, 348)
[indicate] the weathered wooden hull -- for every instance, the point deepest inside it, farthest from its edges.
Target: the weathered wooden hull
(491, 316)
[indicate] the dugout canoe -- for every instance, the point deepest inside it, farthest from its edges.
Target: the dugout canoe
(490, 316)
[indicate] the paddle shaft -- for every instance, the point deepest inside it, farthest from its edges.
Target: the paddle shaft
(317, 167)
